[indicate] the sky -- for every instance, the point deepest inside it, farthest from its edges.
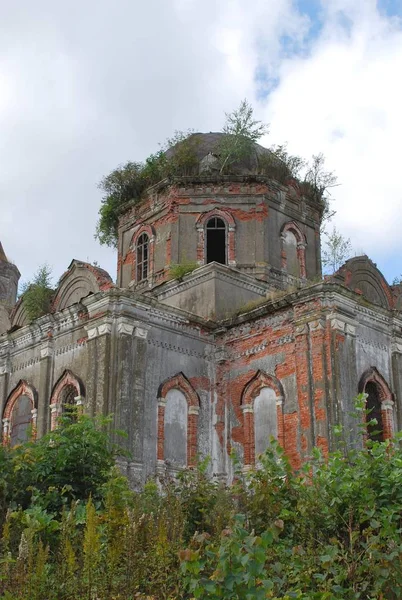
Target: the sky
(87, 86)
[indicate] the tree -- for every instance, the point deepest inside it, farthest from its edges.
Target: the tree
(119, 187)
(128, 182)
(242, 131)
(38, 293)
(319, 181)
(337, 249)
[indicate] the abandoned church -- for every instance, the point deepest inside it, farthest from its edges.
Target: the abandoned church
(251, 343)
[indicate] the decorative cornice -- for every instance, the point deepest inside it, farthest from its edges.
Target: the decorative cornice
(125, 327)
(178, 349)
(211, 271)
(104, 328)
(316, 325)
(47, 349)
(141, 332)
(337, 324)
(396, 347)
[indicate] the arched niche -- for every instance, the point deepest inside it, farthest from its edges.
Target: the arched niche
(175, 428)
(262, 407)
(265, 419)
(175, 418)
(293, 253)
(20, 414)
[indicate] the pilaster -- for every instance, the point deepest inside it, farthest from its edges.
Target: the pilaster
(397, 380)
(44, 391)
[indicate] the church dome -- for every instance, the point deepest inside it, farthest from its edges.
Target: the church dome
(205, 147)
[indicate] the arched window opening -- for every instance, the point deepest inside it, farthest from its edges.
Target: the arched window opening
(175, 428)
(292, 258)
(142, 257)
(216, 241)
(21, 420)
(265, 419)
(373, 406)
(68, 404)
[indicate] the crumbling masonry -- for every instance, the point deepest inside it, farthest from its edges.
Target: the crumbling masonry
(244, 347)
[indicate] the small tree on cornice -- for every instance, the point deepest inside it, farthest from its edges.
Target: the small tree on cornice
(337, 249)
(38, 293)
(242, 131)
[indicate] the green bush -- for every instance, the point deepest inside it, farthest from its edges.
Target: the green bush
(72, 529)
(178, 271)
(38, 293)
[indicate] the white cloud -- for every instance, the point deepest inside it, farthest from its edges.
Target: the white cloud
(344, 99)
(84, 87)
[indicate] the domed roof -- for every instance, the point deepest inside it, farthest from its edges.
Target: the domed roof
(206, 145)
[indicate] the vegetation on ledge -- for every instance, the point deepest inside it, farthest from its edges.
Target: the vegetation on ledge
(178, 157)
(38, 293)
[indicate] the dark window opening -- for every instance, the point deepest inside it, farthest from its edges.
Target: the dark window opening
(142, 257)
(68, 404)
(373, 405)
(216, 241)
(21, 421)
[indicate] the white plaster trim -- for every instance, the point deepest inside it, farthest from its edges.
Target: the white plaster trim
(6, 426)
(396, 347)
(279, 401)
(247, 408)
(54, 408)
(141, 332)
(105, 328)
(387, 405)
(350, 329)
(46, 352)
(161, 402)
(79, 400)
(125, 328)
(338, 324)
(92, 333)
(4, 368)
(193, 410)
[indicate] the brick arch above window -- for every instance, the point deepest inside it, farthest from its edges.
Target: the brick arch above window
(67, 379)
(251, 391)
(386, 397)
(181, 383)
(373, 375)
(294, 228)
(150, 232)
(260, 380)
(23, 388)
(301, 241)
(201, 223)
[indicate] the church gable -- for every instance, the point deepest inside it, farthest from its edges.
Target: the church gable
(361, 275)
(80, 280)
